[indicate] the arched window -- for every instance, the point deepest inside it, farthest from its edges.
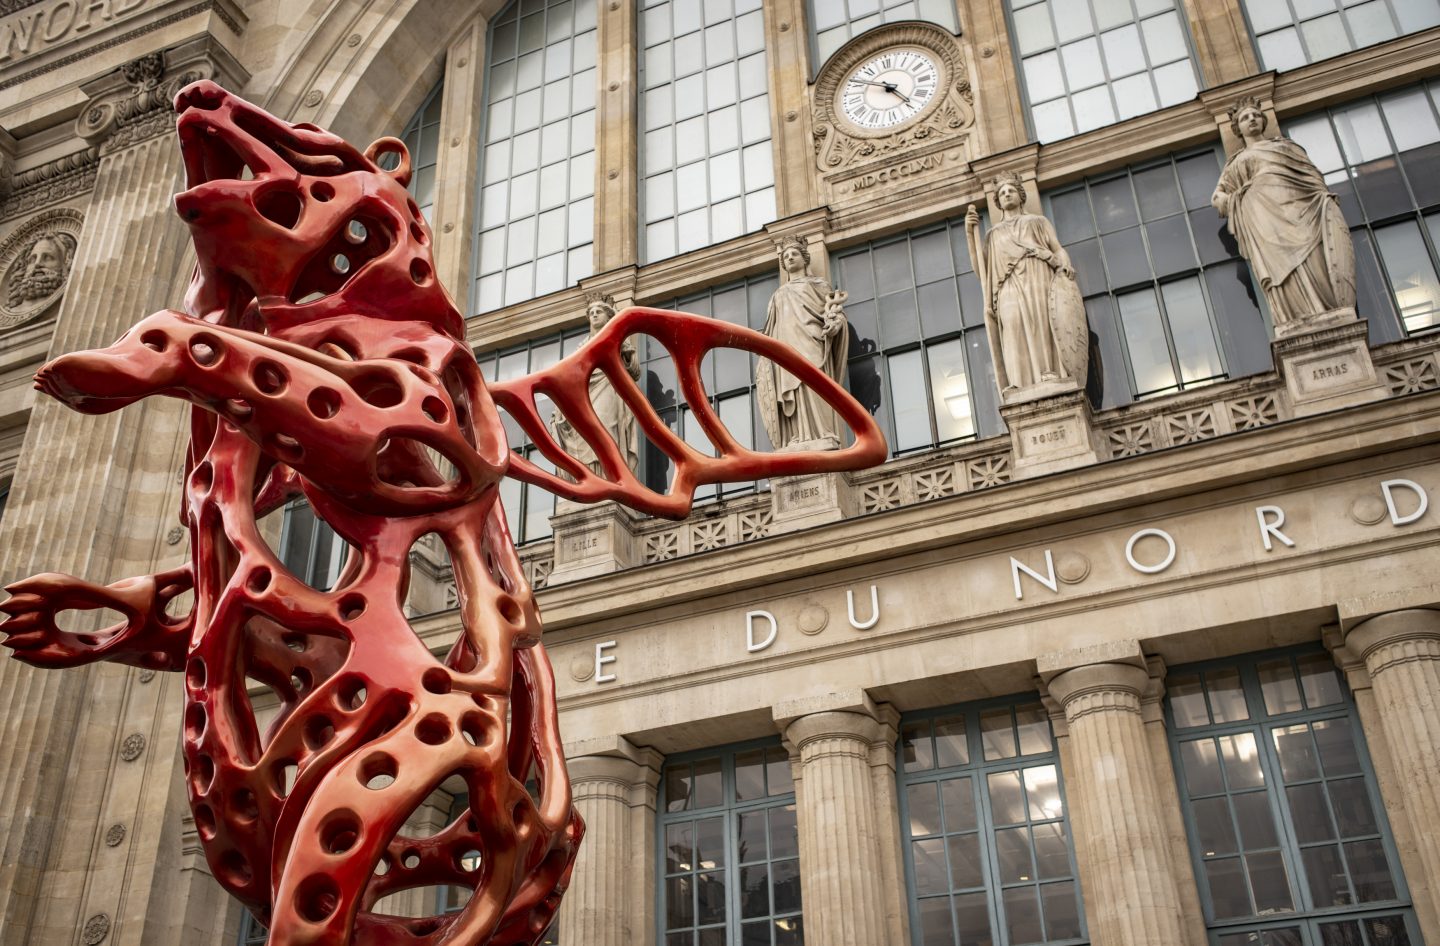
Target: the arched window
(422, 138)
(536, 214)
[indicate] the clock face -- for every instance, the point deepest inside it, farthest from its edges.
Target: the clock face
(889, 89)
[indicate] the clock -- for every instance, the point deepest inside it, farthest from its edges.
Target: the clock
(889, 89)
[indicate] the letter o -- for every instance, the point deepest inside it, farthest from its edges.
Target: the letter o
(1150, 569)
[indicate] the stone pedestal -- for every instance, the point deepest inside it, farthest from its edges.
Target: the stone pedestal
(610, 901)
(849, 832)
(1401, 652)
(1127, 872)
(592, 540)
(800, 502)
(1049, 433)
(1326, 364)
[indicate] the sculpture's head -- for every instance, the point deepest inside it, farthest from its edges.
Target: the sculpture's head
(599, 309)
(283, 216)
(1010, 191)
(794, 255)
(1247, 118)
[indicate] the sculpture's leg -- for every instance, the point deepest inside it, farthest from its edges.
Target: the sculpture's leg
(148, 637)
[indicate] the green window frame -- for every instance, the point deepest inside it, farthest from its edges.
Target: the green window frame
(252, 931)
(728, 850)
(989, 856)
(1288, 836)
(422, 140)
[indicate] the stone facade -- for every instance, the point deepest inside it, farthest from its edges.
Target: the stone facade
(1073, 559)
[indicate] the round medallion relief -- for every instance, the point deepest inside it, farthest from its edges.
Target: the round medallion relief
(813, 619)
(115, 835)
(582, 667)
(35, 262)
(96, 929)
(1367, 509)
(1071, 567)
(131, 748)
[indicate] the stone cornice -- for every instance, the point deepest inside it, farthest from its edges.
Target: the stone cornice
(50, 183)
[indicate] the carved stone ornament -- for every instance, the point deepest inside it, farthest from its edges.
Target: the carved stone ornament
(96, 929)
(35, 262)
(131, 748)
(947, 117)
(140, 110)
(115, 835)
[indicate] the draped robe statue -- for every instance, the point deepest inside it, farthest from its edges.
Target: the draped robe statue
(619, 422)
(1288, 224)
(804, 313)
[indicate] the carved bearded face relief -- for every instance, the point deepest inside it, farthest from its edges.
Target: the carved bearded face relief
(35, 269)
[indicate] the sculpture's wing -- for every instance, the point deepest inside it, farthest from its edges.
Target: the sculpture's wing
(687, 338)
(1072, 331)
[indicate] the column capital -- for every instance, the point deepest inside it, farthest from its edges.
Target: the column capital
(1100, 686)
(1418, 627)
(133, 103)
(853, 702)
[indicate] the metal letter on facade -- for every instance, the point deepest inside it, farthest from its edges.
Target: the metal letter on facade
(325, 361)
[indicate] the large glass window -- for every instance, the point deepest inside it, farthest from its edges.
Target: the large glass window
(1170, 302)
(705, 159)
(834, 22)
(1089, 63)
(729, 850)
(988, 853)
(1287, 832)
(919, 359)
(422, 139)
(1381, 156)
(252, 933)
(1290, 33)
(537, 171)
(528, 508)
(309, 547)
(729, 377)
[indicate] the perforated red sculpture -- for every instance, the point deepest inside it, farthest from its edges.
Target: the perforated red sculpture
(323, 359)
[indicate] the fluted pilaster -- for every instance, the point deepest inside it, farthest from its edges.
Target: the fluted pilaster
(1127, 873)
(616, 797)
(841, 867)
(1401, 651)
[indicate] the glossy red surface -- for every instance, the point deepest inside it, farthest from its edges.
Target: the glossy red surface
(350, 384)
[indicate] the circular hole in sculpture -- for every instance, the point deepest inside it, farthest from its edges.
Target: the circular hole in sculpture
(378, 388)
(336, 349)
(322, 191)
(317, 898)
(243, 805)
(203, 476)
(350, 694)
(195, 721)
(324, 403)
(410, 860)
(417, 233)
(205, 350)
(472, 728)
(202, 774)
(435, 409)
(318, 732)
(436, 680)
(378, 771)
(340, 832)
(351, 607)
(382, 866)
(433, 729)
(419, 271)
(414, 208)
(468, 860)
(300, 679)
(259, 580)
(155, 340)
(295, 642)
(355, 232)
(340, 263)
(204, 821)
(509, 609)
(269, 377)
(195, 673)
(238, 408)
(234, 870)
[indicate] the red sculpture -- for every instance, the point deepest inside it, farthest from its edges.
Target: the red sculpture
(324, 359)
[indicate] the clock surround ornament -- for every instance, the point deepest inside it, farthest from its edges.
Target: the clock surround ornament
(845, 147)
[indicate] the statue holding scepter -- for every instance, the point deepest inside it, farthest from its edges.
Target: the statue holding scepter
(1034, 314)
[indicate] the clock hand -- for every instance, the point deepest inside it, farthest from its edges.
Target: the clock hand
(890, 87)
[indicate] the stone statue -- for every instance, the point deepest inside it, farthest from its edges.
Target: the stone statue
(1288, 224)
(805, 313)
(614, 415)
(1033, 310)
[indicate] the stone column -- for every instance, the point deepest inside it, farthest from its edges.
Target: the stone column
(787, 54)
(85, 500)
(1401, 653)
(846, 835)
(616, 159)
(610, 901)
(1130, 891)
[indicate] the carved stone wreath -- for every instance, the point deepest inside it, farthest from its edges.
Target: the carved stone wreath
(96, 929)
(27, 291)
(841, 145)
(131, 748)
